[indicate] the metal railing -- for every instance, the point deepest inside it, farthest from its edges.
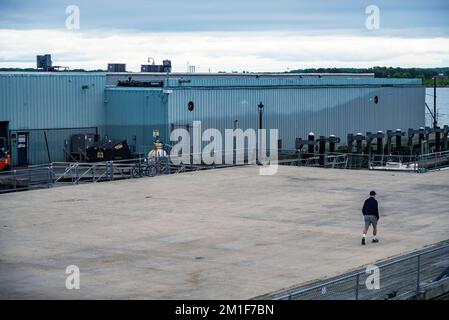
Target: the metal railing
(434, 161)
(392, 162)
(398, 278)
(57, 173)
(72, 173)
(26, 179)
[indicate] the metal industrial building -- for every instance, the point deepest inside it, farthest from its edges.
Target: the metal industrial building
(48, 108)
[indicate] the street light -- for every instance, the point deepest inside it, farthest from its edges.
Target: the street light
(260, 108)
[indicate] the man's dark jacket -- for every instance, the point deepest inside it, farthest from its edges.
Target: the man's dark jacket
(370, 207)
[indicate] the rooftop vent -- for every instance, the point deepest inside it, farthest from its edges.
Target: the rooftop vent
(164, 67)
(44, 62)
(116, 67)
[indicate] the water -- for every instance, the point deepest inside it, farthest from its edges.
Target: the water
(442, 106)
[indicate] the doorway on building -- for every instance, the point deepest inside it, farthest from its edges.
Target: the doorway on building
(4, 134)
(22, 149)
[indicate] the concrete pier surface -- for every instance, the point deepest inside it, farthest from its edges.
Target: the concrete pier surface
(217, 234)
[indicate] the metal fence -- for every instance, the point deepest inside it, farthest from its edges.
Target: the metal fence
(391, 162)
(403, 277)
(434, 161)
(72, 173)
(57, 173)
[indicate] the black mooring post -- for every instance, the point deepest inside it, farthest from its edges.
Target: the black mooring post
(322, 149)
(389, 133)
(421, 139)
(437, 139)
(398, 140)
(311, 146)
(445, 133)
(359, 138)
(411, 134)
(350, 142)
(427, 131)
(369, 140)
(379, 142)
(332, 142)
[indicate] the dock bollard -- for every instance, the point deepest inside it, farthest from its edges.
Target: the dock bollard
(380, 135)
(350, 142)
(398, 140)
(421, 138)
(322, 149)
(437, 139)
(332, 142)
(389, 134)
(311, 147)
(359, 138)
(445, 133)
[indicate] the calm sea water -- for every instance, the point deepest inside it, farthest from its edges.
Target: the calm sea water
(442, 106)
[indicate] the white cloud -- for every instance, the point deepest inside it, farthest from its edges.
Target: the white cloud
(252, 51)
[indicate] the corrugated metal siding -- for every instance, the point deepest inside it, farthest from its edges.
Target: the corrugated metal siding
(133, 114)
(58, 144)
(37, 101)
(295, 106)
(285, 81)
(113, 78)
(297, 111)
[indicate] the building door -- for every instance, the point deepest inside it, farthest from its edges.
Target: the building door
(4, 134)
(22, 149)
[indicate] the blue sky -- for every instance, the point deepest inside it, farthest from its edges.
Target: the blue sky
(207, 25)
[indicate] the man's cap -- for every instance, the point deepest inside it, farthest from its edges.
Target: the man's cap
(372, 193)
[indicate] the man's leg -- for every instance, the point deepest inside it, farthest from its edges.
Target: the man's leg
(375, 233)
(365, 230)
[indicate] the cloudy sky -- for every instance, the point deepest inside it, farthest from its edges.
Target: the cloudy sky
(231, 35)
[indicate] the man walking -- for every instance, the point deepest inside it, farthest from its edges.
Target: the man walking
(371, 215)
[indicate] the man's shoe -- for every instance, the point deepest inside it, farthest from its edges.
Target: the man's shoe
(375, 240)
(363, 241)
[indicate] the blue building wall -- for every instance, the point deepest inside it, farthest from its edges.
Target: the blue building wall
(58, 103)
(297, 110)
(62, 104)
(52, 100)
(134, 113)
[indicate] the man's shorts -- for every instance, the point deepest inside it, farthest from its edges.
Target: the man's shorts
(370, 220)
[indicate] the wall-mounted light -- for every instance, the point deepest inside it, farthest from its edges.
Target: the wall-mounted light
(260, 107)
(190, 105)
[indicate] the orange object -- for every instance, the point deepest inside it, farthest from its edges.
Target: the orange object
(6, 162)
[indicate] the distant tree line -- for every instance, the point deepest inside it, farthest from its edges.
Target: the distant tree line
(426, 74)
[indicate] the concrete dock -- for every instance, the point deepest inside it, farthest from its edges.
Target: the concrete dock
(216, 234)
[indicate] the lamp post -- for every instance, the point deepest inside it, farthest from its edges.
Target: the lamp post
(260, 109)
(435, 121)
